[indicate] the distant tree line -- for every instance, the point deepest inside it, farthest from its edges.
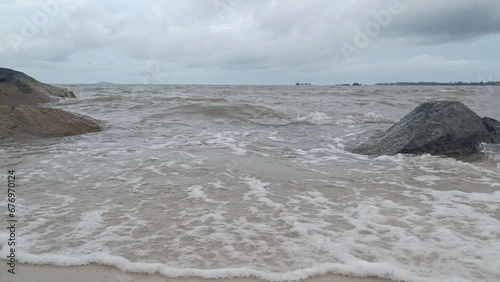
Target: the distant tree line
(460, 83)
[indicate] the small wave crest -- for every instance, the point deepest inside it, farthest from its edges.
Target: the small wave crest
(364, 119)
(492, 152)
(319, 118)
(448, 165)
(228, 111)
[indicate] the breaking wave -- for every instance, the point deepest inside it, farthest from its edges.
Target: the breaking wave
(228, 111)
(319, 118)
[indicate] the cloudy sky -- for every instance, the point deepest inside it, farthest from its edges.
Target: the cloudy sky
(251, 41)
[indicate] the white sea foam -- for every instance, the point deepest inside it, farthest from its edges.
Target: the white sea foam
(257, 187)
(315, 118)
(123, 264)
(429, 179)
(319, 118)
(90, 223)
(493, 153)
(196, 192)
(364, 119)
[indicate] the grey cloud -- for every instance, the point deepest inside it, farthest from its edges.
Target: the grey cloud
(447, 21)
(195, 38)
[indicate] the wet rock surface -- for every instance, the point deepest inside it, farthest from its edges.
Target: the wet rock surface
(446, 128)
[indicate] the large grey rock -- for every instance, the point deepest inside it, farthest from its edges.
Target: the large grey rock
(20, 118)
(446, 128)
(17, 88)
(21, 122)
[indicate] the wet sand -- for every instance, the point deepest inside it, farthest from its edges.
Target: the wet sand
(95, 273)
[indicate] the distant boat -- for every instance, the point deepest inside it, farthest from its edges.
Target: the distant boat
(298, 83)
(356, 84)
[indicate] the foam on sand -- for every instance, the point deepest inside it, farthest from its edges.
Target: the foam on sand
(96, 273)
(123, 264)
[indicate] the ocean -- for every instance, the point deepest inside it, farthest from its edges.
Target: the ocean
(255, 181)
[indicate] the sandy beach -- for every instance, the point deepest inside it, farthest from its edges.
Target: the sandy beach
(95, 273)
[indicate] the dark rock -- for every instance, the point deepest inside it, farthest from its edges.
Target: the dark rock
(17, 88)
(446, 128)
(493, 127)
(21, 122)
(356, 84)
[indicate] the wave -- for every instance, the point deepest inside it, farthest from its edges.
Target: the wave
(492, 152)
(364, 119)
(451, 164)
(228, 111)
(355, 268)
(319, 118)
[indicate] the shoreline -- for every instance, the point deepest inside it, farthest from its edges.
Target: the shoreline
(98, 273)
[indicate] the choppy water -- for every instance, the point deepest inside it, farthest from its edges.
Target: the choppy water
(228, 181)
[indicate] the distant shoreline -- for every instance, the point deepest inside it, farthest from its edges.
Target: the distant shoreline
(458, 83)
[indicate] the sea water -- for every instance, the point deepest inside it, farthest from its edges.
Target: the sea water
(255, 181)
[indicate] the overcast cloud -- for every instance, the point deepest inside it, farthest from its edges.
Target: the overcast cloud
(251, 42)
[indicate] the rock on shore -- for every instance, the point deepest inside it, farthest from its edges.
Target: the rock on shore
(446, 128)
(30, 121)
(21, 117)
(17, 88)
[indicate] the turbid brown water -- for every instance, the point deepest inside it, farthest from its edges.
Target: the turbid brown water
(239, 181)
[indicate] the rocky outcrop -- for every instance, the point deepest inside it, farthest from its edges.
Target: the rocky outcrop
(446, 128)
(493, 127)
(16, 88)
(20, 117)
(30, 121)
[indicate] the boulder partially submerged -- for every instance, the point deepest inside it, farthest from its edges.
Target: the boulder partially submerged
(17, 88)
(20, 117)
(446, 128)
(29, 121)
